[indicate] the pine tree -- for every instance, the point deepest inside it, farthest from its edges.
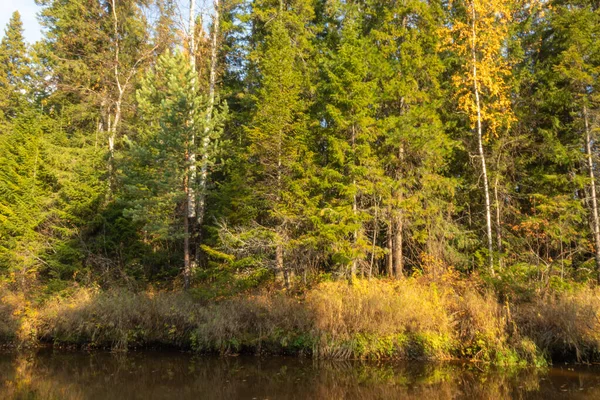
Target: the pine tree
(157, 170)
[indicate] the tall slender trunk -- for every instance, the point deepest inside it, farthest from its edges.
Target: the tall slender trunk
(498, 224)
(209, 111)
(354, 265)
(390, 244)
(190, 213)
(595, 220)
(398, 228)
(397, 249)
(281, 272)
(114, 125)
(488, 208)
(191, 196)
(375, 229)
(122, 82)
(187, 263)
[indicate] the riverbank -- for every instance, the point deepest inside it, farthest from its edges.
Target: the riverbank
(407, 319)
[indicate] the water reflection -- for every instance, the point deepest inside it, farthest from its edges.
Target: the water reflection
(160, 375)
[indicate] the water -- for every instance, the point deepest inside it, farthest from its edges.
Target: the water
(169, 375)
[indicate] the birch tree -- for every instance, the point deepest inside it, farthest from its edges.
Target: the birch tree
(478, 35)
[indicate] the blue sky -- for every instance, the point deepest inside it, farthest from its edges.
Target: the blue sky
(28, 11)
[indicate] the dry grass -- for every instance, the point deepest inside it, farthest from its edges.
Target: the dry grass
(379, 308)
(9, 306)
(381, 319)
(412, 318)
(564, 325)
(118, 319)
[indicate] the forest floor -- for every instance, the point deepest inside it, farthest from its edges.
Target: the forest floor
(412, 318)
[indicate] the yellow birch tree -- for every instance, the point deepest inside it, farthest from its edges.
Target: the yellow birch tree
(478, 34)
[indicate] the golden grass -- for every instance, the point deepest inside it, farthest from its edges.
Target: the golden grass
(564, 324)
(9, 309)
(411, 318)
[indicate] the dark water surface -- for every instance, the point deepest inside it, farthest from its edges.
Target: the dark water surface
(165, 375)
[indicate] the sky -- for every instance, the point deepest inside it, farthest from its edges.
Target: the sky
(28, 11)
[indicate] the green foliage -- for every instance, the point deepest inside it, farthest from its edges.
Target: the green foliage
(15, 71)
(340, 144)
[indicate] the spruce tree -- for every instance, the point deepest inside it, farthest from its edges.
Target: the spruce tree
(414, 146)
(350, 171)
(277, 134)
(14, 68)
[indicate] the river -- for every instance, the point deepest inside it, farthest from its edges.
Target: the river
(171, 375)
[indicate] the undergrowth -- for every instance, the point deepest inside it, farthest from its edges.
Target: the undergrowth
(413, 318)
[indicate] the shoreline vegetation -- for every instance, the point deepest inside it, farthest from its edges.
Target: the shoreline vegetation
(417, 318)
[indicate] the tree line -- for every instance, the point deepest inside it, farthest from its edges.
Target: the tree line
(297, 138)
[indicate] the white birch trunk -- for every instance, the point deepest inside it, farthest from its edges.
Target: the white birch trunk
(488, 210)
(590, 161)
(191, 195)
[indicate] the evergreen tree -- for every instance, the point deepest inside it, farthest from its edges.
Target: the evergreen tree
(350, 171)
(414, 145)
(564, 102)
(277, 135)
(157, 168)
(14, 68)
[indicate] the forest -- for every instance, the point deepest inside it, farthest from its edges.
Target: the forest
(345, 178)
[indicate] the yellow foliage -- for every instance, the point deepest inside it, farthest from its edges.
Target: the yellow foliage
(484, 32)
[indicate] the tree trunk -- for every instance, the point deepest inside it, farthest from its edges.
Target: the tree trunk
(595, 220)
(374, 243)
(398, 228)
(354, 265)
(187, 264)
(488, 208)
(390, 245)
(191, 196)
(397, 250)
(281, 274)
(112, 134)
(192, 174)
(498, 225)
